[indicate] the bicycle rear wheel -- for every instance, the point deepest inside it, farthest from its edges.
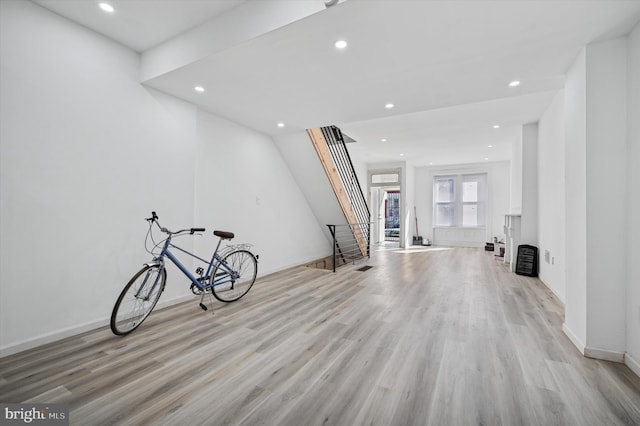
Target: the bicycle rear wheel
(138, 298)
(232, 286)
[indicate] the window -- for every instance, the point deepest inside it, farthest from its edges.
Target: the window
(385, 178)
(445, 201)
(471, 200)
(468, 209)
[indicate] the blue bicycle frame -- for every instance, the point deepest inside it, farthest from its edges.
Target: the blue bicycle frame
(228, 274)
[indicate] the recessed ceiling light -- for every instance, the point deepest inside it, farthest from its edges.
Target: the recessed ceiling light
(389, 106)
(489, 146)
(340, 44)
(431, 164)
(199, 89)
(486, 158)
(401, 155)
(106, 7)
(496, 126)
(514, 83)
(383, 140)
(280, 124)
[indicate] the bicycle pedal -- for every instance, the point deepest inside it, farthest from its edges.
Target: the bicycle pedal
(204, 307)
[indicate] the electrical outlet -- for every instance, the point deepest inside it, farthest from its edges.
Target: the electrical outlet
(553, 260)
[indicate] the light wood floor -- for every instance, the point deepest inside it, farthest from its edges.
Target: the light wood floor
(444, 337)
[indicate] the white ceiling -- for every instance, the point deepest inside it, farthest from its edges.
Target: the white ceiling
(140, 24)
(444, 64)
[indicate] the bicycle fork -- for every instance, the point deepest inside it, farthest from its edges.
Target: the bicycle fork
(140, 293)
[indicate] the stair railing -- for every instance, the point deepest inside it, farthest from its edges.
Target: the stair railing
(338, 149)
(346, 243)
(331, 148)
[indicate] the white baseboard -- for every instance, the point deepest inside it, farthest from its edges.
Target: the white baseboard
(574, 339)
(604, 354)
(633, 364)
(607, 355)
(43, 339)
(591, 352)
(174, 301)
(552, 290)
(447, 243)
(304, 261)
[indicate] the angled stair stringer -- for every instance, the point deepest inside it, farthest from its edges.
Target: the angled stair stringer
(321, 139)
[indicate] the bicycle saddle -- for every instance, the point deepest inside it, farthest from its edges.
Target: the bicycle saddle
(224, 235)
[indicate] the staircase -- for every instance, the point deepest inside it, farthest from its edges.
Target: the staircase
(351, 239)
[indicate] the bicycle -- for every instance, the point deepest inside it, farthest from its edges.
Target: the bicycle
(229, 275)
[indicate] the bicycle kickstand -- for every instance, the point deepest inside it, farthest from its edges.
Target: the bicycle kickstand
(202, 305)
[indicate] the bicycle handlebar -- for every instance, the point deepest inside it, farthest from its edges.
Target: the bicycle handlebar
(154, 218)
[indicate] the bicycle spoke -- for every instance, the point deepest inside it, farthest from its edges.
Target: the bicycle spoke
(245, 267)
(138, 299)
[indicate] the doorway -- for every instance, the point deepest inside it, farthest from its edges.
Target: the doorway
(386, 200)
(392, 215)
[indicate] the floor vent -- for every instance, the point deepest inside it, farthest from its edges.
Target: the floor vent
(364, 268)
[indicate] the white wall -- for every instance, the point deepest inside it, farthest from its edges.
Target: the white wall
(529, 192)
(606, 187)
(498, 179)
(575, 321)
(596, 182)
(515, 194)
(498, 198)
(243, 185)
(86, 152)
(633, 210)
(551, 196)
(302, 160)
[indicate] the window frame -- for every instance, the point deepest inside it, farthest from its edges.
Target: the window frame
(436, 203)
(481, 203)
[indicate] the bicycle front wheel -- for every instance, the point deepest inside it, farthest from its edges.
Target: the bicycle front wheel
(234, 276)
(138, 298)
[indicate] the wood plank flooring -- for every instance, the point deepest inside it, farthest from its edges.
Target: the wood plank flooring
(425, 337)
